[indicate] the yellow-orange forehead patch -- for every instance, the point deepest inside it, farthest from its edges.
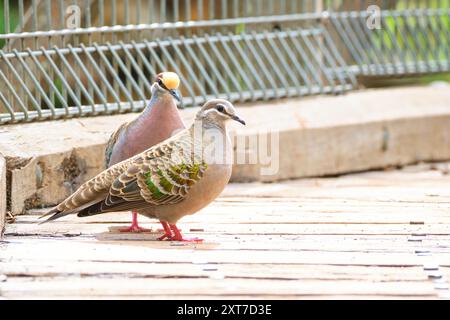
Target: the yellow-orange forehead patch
(170, 80)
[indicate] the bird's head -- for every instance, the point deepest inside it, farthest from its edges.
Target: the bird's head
(218, 111)
(167, 83)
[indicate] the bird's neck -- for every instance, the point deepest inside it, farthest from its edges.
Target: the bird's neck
(210, 143)
(160, 109)
(203, 130)
(159, 121)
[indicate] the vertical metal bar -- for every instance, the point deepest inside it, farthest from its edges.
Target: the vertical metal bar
(199, 65)
(36, 82)
(213, 67)
(136, 68)
(212, 9)
(318, 61)
(306, 60)
(261, 66)
(91, 81)
(125, 71)
(6, 15)
(328, 58)
(427, 35)
(19, 79)
(61, 15)
(49, 78)
(407, 48)
(225, 67)
(347, 41)
(366, 39)
(293, 59)
(338, 57)
(48, 7)
(101, 73)
(101, 18)
(199, 9)
(175, 66)
(238, 65)
(13, 93)
(76, 76)
(418, 49)
(235, 8)
(151, 7)
(8, 107)
(354, 39)
(112, 71)
(187, 9)
(163, 11)
(138, 12)
(187, 66)
(283, 61)
(224, 9)
(21, 15)
(144, 59)
(62, 77)
(34, 23)
(176, 10)
(439, 43)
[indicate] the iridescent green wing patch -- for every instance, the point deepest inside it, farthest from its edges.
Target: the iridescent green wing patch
(173, 183)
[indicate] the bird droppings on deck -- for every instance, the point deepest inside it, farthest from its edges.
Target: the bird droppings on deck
(368, 235)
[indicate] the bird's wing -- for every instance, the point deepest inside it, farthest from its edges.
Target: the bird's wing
(112, 141)
(160, 176)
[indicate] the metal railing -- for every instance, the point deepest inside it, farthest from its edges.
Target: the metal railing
(102, 60)
(406, 42)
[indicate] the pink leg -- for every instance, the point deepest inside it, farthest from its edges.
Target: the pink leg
(165, 227)
(179, 237)
(168, 232)
(134, 225)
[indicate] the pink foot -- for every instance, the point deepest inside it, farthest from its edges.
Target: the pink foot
(167, 232)
(134, 226)
(179, 237)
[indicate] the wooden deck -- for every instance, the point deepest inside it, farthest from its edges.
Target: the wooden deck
(370, 235)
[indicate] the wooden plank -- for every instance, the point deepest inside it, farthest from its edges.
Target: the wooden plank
(46, 269)
(356, 237)
(65, 227)
(165, 252)
(143, 287)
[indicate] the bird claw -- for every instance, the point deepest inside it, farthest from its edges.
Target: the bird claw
(172, 233)
(164, 236)
(174, 238)
(135, 228)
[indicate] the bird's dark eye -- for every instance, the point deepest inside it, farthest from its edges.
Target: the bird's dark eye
(160, 82)
(220, 108)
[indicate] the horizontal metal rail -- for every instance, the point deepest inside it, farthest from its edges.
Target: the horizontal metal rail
(221, 22)
(167, 26)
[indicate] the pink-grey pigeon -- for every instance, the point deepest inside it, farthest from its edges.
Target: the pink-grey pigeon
(158, 121)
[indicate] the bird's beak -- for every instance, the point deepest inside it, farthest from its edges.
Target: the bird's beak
(176, 94)
(236, 118)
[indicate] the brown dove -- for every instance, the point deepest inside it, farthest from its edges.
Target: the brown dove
(172, 179)
(158, 121)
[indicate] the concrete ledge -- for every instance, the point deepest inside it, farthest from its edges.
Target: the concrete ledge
(318, 136)
(2, 195)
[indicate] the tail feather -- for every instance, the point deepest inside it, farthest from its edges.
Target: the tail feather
(55, 214)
